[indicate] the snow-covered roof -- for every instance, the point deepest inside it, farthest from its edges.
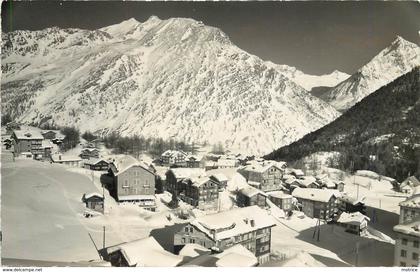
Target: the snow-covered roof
(137, 197)
(250, 191)
(367, 173)
(62, 158)
(198, 180)
(173, 153)
(279, 194)
(321, 195)
(220, 177)
(193, 250)
(28, 135)
(412, 201)
(307, 180)
(261, 167)
(125, 162)
(146, 252)
(355, 218)
(233, 222)
(93, 161)
(182, 173)
(194, 158)
(90, 149)
(351, 199)
(412, 228)
(235, 256)
(410, 181)
(87, 196)
(296, 172)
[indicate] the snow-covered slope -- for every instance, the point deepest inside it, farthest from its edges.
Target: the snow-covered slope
(397, 59)
(310, 81)
(161, 78)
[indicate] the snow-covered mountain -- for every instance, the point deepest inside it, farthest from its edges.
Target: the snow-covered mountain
(397, 59)
(161, 78)
(310, 81)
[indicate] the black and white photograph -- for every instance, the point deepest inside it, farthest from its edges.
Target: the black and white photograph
(217, 134)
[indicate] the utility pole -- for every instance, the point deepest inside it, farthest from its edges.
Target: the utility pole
(357, 253)
(103, 239)
(97, 250)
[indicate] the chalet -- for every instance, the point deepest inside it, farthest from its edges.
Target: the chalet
(408, 185)
(249, 226)
(133, 181)
(290, 182)
(250, 196)
(325, 182)
(195, 161)
(66, 160)
(355, 223)
(96, 164)
(193, 187)
(266, 176)
(146, 252)
(175, 176)
(49, 134)
(28, 141)
(281, 200)
(174, 157)
(88, 153)
(94, 201)
(316, 203)
(349, 203)
(220, 179)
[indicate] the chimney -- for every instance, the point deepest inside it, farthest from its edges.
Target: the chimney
(252, 223)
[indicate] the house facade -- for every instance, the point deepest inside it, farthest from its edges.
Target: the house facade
(27, 141)
(66, 160)
(281, 200)
(407, 243)
(355, 223)
(250, 196)
(221, 180)
(316, 203)
(200, 192)
(408, 185)
(133, 181)
(266, 176)
(94, 201)
(249, 226)
(88, 153)
(194, 161)
(174, 157)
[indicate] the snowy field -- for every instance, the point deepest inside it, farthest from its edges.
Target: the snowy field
(42, 214)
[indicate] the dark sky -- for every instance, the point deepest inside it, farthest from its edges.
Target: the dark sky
(316, 37)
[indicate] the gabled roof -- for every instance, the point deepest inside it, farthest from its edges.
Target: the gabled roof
(307, 180)
(182, 173)
(197, 181)
(233, 222)
(173, 153)
(279, 194)
(28, 135)
(194, 158)
(355, 218)
(412, 201)
(321, 195)
(250, 191)
(410, 181)
(260, 167)
(146, 252)
(125, 162)
(347, 198)
(219, 177)
(93, 161)
(90, 195)
(412, 228)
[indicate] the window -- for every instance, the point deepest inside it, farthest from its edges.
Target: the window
(404, 241)
(192, 241)
(191, 229)
(416, 244)
(186, 229)
(415, 256)
(403, 253)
